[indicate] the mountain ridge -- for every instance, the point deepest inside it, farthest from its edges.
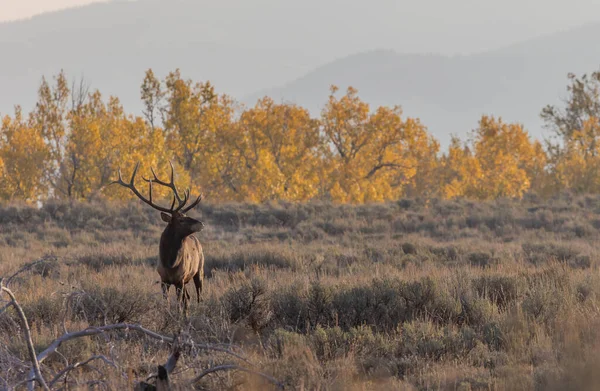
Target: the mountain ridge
(239, 53)
(512, 83)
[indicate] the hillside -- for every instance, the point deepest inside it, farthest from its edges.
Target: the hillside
(264, 46)
(449, 94)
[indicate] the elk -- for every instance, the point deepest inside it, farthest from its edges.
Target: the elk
(180, 253)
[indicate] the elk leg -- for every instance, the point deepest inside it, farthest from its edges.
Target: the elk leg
(186, 300)
(179, 292)
(198, 284)
(182, 297)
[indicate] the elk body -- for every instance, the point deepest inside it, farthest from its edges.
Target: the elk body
(181, 259)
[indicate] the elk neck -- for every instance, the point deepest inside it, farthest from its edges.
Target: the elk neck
(171, 241)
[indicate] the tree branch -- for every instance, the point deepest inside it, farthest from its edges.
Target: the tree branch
(71, 367)
(229, 367)
(380, 166)
(37, 374)
(120, 326)
(46, 258)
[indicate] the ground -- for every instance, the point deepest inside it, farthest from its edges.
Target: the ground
(409, 295)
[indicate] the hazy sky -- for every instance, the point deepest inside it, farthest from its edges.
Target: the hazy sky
(544, 11)
(494, 21)
(438, 26)
(536, 12)
(19, 9)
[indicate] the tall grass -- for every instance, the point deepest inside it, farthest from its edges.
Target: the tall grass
(450, 295)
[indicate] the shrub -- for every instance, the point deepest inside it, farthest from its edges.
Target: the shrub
(249, 303)
(482, 259)
(541, 253)
(409, 248)
(105, 305)
(501, 290)
(242, 259)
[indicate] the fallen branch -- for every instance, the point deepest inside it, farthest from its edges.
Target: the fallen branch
(46, 258)
(71, 367)
(171, 362)
(230, 367)
(37, 373)
(119, 326)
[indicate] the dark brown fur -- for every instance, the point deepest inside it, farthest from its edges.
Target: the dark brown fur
(180, 254)
(181, 259)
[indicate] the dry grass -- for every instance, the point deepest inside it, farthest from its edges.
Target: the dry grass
(449, 295)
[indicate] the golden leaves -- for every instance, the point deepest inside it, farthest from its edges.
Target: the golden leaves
(73, 143)
(501, 161)
(375, 156)
(23, 159)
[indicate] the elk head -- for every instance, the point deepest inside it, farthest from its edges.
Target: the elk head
(182, 223)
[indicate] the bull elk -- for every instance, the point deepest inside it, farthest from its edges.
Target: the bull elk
(180, 253)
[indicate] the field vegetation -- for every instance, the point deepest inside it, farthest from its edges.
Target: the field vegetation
(409, 295)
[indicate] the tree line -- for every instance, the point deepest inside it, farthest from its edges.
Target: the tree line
(74, 140)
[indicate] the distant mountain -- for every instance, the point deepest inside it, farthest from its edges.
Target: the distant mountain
(239, 45)
(450, 94)
(245, 46)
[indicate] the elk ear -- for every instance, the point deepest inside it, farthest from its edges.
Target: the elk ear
(165, 217)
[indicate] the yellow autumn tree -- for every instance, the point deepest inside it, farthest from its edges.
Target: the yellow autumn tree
(102, 139)
(50, 119)
(280, 149)
(373, 156)
(24, 158)
(133, 142)
(573, 149)
(502, 161)
(577, 166)
(197, 120)
(460, 173)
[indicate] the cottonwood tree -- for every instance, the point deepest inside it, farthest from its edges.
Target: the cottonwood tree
(501, 160)
(373, 156)
(24, 159)
(196, 123)
(280, 149)
(573, 149)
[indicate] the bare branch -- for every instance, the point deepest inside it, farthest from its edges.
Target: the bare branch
(229, 367)
(71, 367)
(122, 326)
(383, 165)
(47, 258)
(37, 374)
(171, 361)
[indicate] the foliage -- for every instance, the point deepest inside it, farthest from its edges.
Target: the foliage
(23, 159)
(375, 156)
(75, 140)
(574, 152)
(500, 161)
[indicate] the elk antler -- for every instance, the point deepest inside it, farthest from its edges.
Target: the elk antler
(135, 191)
(171, 185)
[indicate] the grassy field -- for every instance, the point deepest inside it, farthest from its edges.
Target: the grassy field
(450, 295)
